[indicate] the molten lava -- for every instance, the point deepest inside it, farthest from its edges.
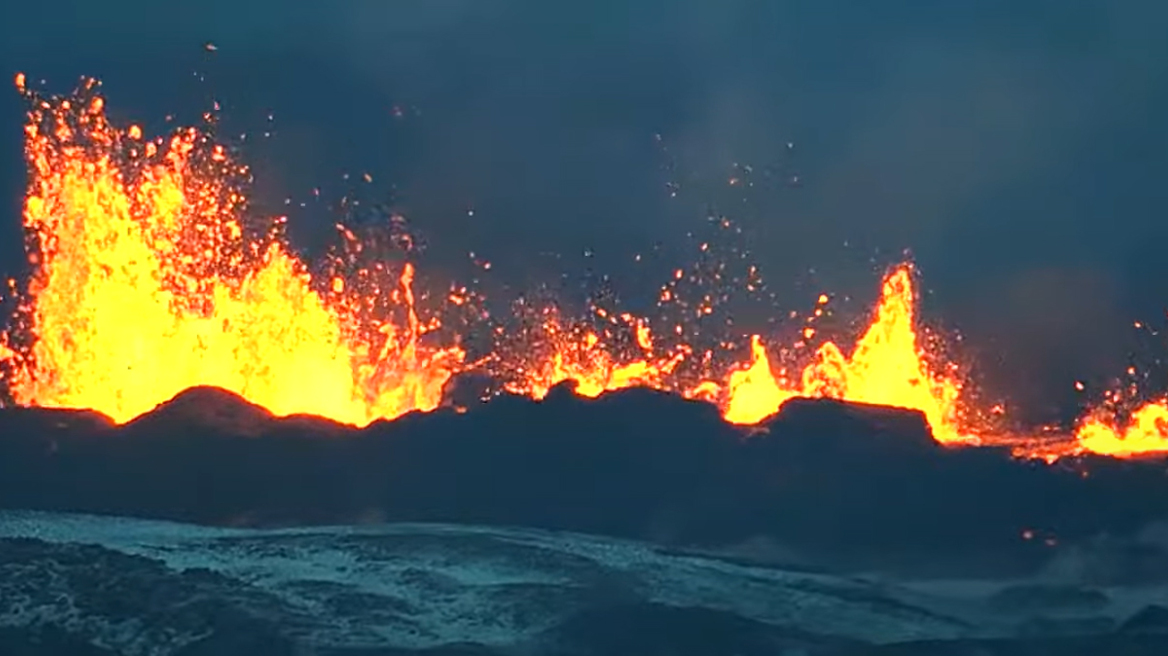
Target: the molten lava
(145, 285)
(574, 352)
(1145, 432)
(887, 367)
(149, 280)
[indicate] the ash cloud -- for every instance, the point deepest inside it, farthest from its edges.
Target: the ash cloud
(998, 142)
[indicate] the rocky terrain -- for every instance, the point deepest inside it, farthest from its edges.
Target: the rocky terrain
(637, 523)
(74, 584)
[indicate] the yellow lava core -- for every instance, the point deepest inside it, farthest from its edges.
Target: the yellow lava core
(144, 288)
(1146, 432)
(887, 367)
(753, 392)
(146, 283)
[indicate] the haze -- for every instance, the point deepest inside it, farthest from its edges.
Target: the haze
(1018, 149)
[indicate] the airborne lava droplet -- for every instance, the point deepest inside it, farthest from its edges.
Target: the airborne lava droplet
(147, 282)
(146, 286)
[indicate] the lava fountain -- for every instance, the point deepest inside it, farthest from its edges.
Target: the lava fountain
(150, 278)
(146, 285)
(888, 366)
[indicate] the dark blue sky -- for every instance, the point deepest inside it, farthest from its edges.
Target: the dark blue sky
(1018, 148)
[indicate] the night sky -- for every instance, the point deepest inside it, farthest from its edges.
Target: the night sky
(1017, 148)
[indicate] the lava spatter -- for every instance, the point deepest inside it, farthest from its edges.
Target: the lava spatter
(552, 350)
(147, 283)
(1145, 432)
(151, 276)
(888, 366)
(150, 279)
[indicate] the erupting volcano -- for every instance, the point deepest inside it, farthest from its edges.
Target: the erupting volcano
(150, 277)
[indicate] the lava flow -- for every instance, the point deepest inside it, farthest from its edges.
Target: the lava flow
(149, 278)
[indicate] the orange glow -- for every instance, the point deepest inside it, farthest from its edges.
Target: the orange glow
(149, 279)
(753, 393)
(580, 356)
(887, 367)
(1146, 432)
(146, 286)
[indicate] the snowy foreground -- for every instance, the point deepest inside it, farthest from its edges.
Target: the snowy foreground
(72, 584)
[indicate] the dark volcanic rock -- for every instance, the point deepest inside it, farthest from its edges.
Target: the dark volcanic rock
(145, 588)
(96, 592)
(832, 479)
(658, 629)
(1151, 619)
(1101, 645)
(242, 637)
(46, 641)
(1022, 598)
(92, 586)
(204, 409)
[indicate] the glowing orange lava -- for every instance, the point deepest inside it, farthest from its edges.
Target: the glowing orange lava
(753, 393)
(887, 367)
(1145, 432)
(145, 285)
(148, 281)
(578, 354)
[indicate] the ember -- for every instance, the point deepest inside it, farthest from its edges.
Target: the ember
(151, 278)
(146, 284)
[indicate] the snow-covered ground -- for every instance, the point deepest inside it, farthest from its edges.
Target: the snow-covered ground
(421, 586)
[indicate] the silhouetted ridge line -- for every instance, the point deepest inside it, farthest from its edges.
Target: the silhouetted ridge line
(821, 476)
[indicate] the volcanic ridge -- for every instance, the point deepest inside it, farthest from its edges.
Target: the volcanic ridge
(851, 482)
(171, 358)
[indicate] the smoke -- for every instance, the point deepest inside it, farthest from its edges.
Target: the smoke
(998, 142)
